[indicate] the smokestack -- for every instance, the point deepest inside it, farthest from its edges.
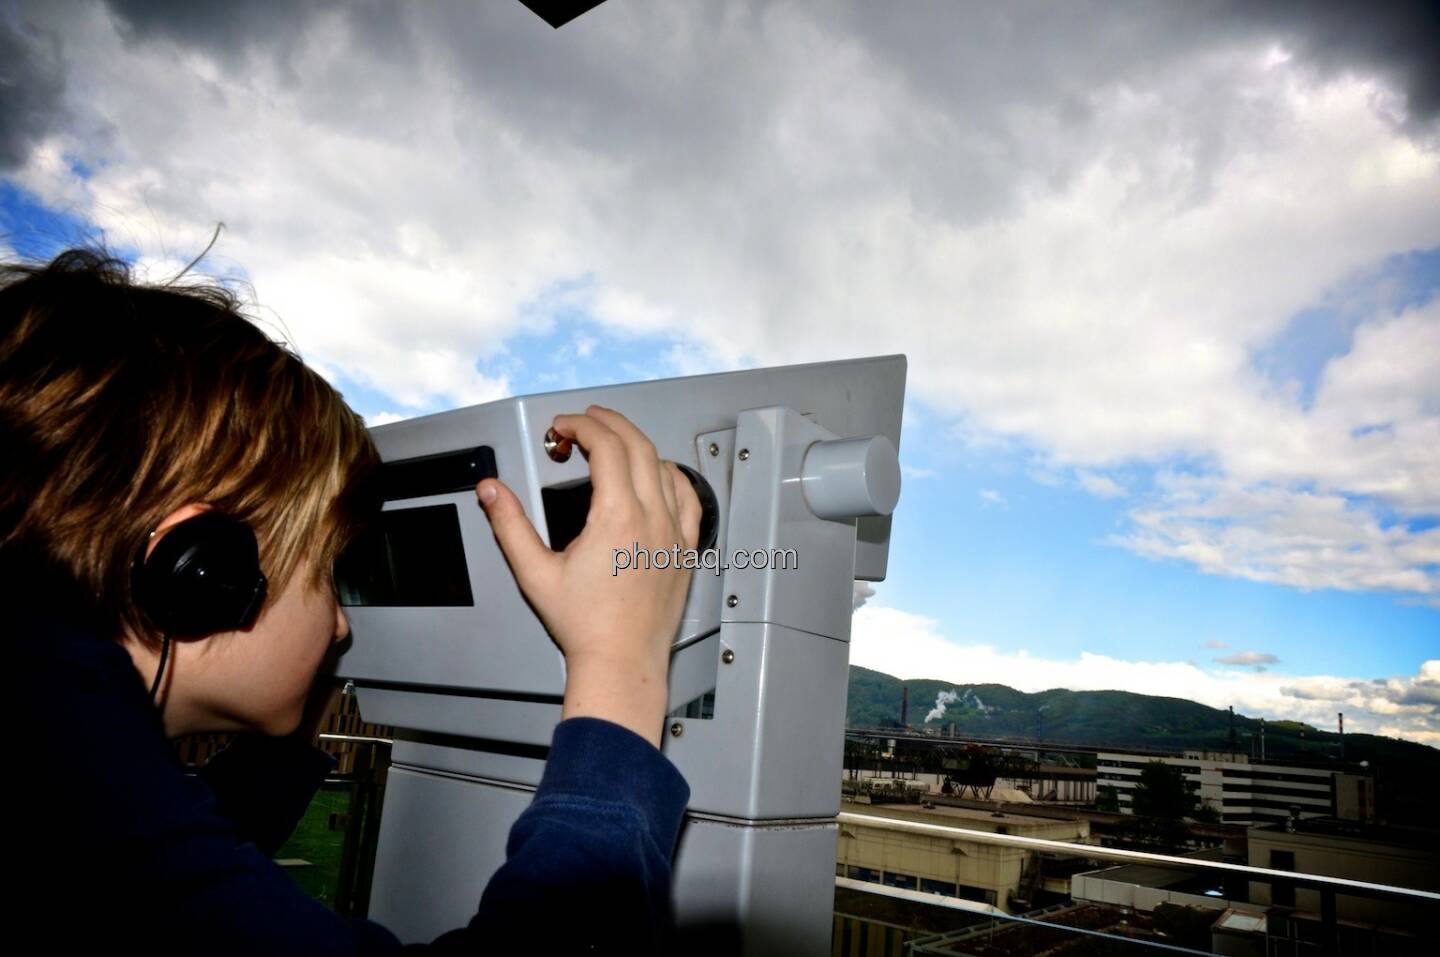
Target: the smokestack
(904, 706)
(1342, 735)
(1233, 746)
(1262, 739)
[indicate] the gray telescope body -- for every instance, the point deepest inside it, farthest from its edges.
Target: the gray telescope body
(802, 460)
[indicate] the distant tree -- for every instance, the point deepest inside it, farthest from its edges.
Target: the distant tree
(1162, 793)
(1161, 802)
(1107, 798)
(1207, 814)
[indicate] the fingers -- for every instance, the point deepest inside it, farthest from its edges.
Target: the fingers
(610, 472)
(625, 468)
(666, 470)
(530, 558)
(644, 460)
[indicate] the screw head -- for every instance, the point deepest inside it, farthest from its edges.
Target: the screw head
(677, 729)
(557, 446)
(714, 449)
(744, 454)
(732, 600)
(727, 656)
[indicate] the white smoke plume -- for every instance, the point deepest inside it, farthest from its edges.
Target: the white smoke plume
(942, 701)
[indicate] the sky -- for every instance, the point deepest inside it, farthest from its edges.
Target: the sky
(1168, 277)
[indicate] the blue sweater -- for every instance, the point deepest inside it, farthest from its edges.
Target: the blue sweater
(118, 846)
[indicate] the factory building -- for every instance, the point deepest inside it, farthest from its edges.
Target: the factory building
(1244, 791)
(1255, 918)
(1403, 857)
(1043, 784)
(1004, 877)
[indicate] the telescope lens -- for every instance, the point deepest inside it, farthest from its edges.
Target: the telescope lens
(709, 508)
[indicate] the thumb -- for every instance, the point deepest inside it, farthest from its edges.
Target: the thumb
(528, 555)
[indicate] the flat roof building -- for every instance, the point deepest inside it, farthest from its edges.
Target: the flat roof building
(1395, 856)
(1242, 791)
(952, 866)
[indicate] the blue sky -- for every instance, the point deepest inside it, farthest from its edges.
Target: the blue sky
(1172, 313)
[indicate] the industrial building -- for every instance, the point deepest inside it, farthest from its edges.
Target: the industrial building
(1143, 887)
(1042, 784)
(1244, 791)
(1259, 917)
(1002, 877)
(1404, 857)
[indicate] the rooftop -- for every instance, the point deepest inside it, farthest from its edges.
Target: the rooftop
(1422, 838)
(1177, 879)
(964, 817)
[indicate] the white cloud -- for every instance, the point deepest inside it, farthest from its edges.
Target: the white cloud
(912, 646)
(1100, 486)
(915, 472)
(992, 497)
(384, 418)
(1080, 256)
(1279, 534)
(1255, 659)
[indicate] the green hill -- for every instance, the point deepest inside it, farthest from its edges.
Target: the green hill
(1111, 719)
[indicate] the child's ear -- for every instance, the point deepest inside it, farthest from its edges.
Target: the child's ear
(173, 519)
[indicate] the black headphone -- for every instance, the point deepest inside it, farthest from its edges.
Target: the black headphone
(203, 577)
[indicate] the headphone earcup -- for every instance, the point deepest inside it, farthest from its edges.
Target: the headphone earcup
(203, 577)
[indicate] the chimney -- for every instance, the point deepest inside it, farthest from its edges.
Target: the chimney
(904, 706)
(1262, 739)
(1233, 746)
(1342, 735)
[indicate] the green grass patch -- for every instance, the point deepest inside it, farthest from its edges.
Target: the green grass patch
(315, 842)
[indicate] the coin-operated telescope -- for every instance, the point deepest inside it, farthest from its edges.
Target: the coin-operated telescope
(798, 462)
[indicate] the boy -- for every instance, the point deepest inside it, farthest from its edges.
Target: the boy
(149, 433)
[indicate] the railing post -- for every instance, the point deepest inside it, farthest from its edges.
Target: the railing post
(1329, 928)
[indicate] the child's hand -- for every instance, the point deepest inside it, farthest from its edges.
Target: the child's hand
(615, 629)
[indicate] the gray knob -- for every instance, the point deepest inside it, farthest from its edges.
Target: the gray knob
(848, 478)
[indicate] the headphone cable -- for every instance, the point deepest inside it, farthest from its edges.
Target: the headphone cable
(160, 671)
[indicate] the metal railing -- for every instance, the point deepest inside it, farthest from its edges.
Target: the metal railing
(356, 738)
(362, 823)
(1097, 852)
(996, 914)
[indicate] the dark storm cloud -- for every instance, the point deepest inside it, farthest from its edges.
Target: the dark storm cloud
(216, 27)
(231, 30)
(32, 83)
(1041, 47)
(631, 78)
(987, 63)
(623, 78)
(678, 92)
(1398, 39)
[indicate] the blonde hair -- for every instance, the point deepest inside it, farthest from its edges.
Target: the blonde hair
(121, 402)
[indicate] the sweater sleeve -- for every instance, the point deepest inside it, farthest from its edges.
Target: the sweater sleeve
(595, 845)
